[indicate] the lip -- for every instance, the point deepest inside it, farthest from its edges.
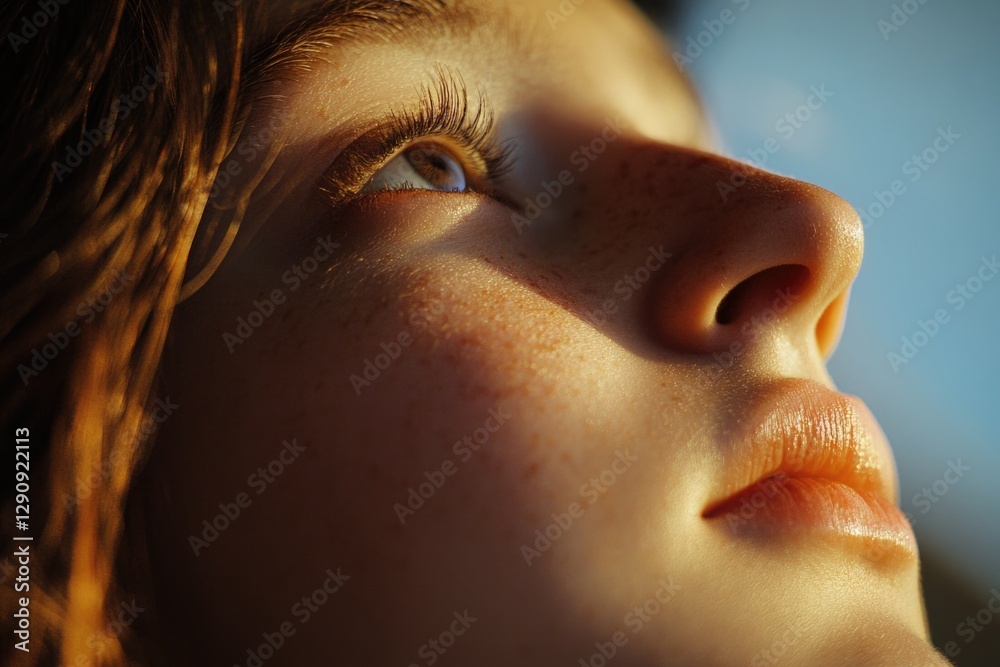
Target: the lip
(812, 462)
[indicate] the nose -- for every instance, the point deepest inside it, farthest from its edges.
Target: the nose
(762, 253)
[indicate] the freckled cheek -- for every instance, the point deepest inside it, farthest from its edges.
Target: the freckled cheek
(437, 396)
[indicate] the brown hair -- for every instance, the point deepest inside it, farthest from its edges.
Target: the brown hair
(121, 113)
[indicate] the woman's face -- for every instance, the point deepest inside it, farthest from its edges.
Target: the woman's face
(496, 413)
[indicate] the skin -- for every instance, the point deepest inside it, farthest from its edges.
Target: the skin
(497, 319)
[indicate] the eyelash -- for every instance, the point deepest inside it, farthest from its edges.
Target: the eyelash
(444, 112)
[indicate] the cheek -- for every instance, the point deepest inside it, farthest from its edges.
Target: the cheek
(449, 407)
(467, 412)
(465, 425)
(446, 406)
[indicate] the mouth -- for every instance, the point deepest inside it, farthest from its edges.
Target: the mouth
(813, 463)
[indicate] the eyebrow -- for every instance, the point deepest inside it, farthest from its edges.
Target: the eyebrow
(298, 46)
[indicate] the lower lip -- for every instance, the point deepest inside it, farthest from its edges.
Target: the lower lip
(784, 506)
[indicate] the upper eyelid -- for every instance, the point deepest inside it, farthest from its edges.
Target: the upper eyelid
(354, 165)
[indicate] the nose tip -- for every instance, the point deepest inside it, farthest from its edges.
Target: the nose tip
(779, 254)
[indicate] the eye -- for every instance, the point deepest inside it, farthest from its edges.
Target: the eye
(423, 166)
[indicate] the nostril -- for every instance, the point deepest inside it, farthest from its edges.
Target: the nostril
(726, 312)
(756, 294)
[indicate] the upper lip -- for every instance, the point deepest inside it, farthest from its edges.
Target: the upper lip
(803, 429)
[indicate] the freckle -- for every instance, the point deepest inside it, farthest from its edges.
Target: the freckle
(345, 82)
(623, 169)
(531, 471)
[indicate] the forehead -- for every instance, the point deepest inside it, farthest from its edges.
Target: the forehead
(382, 18)
(598, 54)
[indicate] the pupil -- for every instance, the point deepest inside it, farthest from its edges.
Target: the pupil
(432, 165)
(438, 162)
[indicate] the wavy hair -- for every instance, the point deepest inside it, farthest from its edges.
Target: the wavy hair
(119, 113)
